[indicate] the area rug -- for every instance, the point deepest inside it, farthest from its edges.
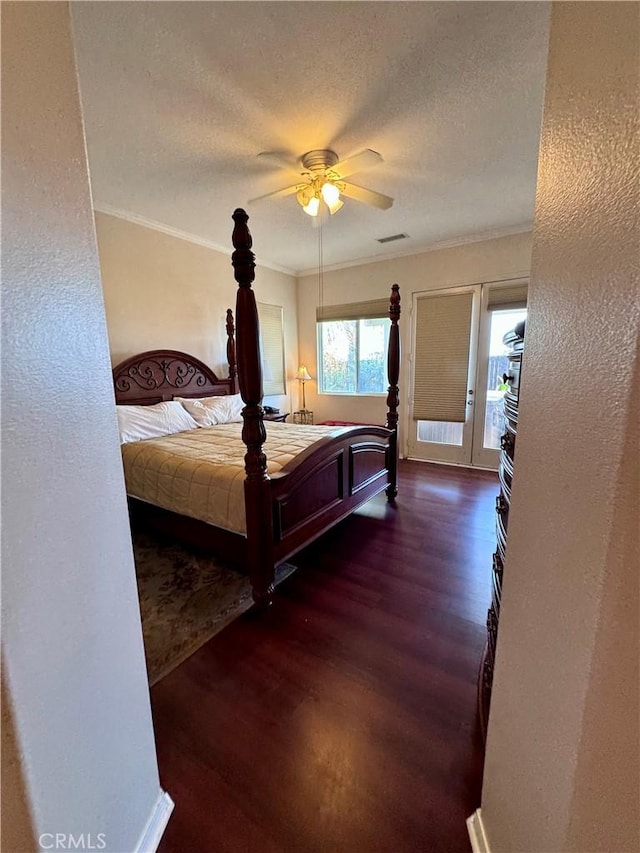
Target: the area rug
(186, 596)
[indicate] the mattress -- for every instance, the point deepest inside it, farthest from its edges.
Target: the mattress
(200, 473)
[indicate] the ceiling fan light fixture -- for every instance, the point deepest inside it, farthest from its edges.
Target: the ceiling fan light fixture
(312, 206)
(330, 194)
(323, 184)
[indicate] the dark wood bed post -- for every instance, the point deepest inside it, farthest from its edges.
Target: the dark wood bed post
(256, 485)
(231, 351)
(393, 400)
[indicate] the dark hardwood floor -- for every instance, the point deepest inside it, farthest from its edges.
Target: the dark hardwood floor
(344, 719)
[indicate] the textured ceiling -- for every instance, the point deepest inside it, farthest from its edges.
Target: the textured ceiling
(179, 98)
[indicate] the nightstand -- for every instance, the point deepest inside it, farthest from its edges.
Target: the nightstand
(280, 417)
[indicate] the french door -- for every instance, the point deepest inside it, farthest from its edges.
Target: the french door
(445, 338)
(457, 365)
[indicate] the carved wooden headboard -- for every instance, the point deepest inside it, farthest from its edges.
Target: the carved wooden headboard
(162, 374)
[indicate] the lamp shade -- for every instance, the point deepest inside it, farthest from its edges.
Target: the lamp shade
(303, 373)
(330, 193)
(312, 207)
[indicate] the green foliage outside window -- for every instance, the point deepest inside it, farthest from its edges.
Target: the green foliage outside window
(353, 356)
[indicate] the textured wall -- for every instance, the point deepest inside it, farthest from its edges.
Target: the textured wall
(164, 292)
(562, 768)
(488, 260)
(72, 644)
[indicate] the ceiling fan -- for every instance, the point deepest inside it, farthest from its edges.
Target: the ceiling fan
(321, 180)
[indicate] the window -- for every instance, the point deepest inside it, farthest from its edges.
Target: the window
(352, 355)
(272, 349)
(501, 323)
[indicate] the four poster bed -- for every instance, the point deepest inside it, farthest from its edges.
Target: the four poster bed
(314, 476)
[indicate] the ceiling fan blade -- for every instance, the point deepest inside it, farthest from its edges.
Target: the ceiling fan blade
(282, 161)
(383, 202)
(364, 160)
(277, 194)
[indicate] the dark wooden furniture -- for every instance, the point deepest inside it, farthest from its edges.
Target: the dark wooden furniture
(317, 489)
(162, 374)
(514, 340)
(280, 417)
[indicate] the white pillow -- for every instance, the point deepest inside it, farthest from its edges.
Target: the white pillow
(139, 422)
(209, 411)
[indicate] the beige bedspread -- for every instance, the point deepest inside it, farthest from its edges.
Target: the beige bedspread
(200, 473)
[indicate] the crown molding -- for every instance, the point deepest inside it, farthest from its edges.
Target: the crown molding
(433, 247)
(152, 224)
(135, 219)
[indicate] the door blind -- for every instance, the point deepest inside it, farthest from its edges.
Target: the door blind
(372, 309)
(505, 296)
(443, 332)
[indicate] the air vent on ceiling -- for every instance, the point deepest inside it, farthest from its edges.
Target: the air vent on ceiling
(391, 238)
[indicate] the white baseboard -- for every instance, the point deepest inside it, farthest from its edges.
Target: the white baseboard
(477, 835)
(156, 825)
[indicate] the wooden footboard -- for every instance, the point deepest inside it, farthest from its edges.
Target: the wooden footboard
(317, 489)
(323, 484)
(327, 483)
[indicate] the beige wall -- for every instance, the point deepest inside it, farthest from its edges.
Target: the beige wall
(472, 263)
(562, 765)
(77, 734)
(164, 292)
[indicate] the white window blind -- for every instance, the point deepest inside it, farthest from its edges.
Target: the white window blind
(272, 348)
(443, 333)
(369, 310)
(507, 296)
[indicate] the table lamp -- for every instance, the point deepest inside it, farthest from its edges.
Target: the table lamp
(302, 376)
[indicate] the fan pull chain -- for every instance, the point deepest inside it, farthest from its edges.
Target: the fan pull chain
(320, 270)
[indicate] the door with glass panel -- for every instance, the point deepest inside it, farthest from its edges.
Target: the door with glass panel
(458, 371)
(503, 307)
(445, 331)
